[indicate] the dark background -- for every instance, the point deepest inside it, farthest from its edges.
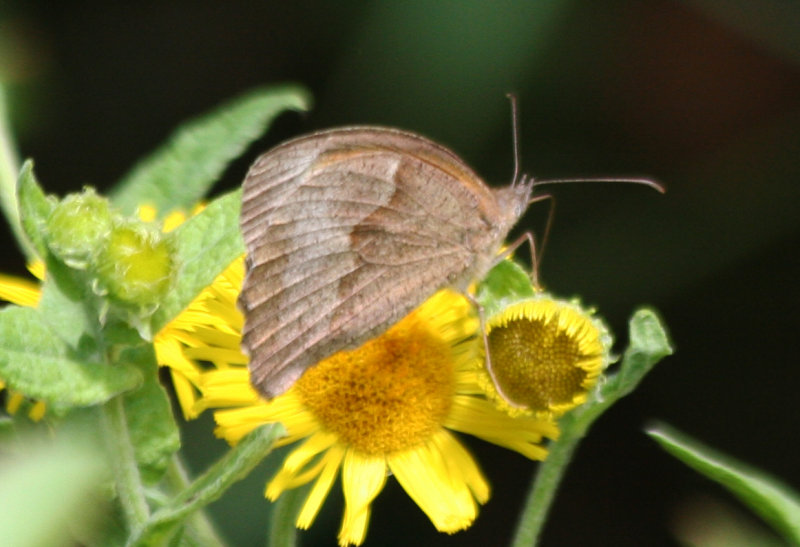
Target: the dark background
(704, 98)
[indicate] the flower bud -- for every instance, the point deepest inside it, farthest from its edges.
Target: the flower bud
(136, 266)
(78, 227)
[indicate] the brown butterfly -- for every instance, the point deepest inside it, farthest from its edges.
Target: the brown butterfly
(350, 229)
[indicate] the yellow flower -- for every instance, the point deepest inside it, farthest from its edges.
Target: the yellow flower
(383, 408)
(546, 355)
(208, 331)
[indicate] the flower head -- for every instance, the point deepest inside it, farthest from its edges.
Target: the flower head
(545, 355)
(386, 407)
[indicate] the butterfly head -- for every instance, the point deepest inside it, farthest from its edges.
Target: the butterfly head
(515, 198)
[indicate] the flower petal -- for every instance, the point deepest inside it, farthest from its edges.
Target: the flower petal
(438, 487)
(19, 291)
(363, 477)
(333, 459)
(482, 419)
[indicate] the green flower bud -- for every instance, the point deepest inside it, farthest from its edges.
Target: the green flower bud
(78, 227)
(136, 266)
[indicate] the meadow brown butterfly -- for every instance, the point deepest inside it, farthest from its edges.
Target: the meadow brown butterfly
(350, 229)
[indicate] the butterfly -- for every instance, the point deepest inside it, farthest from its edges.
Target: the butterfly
(347, 231)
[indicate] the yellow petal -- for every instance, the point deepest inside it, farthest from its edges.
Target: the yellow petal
(19, 291)
(333, 459)
(427, 479)
(363, 477)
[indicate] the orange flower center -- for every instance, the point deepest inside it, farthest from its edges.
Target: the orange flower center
(390, 394)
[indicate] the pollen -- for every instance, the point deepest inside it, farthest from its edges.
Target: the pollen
(388, 395)
(545, 355)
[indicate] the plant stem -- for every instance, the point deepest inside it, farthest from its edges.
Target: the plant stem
(282, 527)
(123, 462)
(544, 488)
(200, 528)
(232, 467)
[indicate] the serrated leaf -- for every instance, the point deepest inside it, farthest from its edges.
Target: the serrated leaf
(180, 173)
(205, 245)
(41, 365)
(34, 208)
(507, 282)
(151, 424)
(767, 496)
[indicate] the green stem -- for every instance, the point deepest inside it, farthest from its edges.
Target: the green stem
(574, 426)
(9, 171)
(232, 467)
(199, 527)
(123, 461)
(543, 490)
(282, 527)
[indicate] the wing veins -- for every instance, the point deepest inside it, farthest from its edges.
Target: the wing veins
(322, 317)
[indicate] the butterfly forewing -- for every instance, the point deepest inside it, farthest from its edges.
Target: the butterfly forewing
(347, 231)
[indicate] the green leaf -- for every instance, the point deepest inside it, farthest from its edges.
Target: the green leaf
(39, 364)
(63, 305)
(34, 208)
(507, 282)
(768, 497)
(205, 245)
(153, 431)
(180, 173)
(649, 343)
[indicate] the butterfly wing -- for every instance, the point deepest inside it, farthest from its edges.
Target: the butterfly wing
(347, 231)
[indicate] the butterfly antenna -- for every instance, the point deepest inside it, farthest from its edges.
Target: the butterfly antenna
(644, 181)
(515, 135)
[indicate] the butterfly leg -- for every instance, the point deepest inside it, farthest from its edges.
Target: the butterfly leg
(482, 321)
(536, 254)
(513, 246)
(487, 353)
